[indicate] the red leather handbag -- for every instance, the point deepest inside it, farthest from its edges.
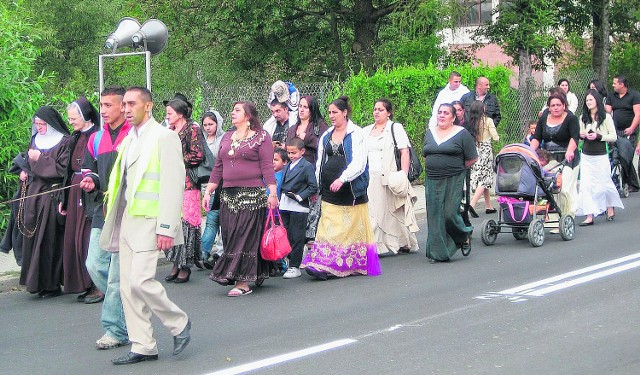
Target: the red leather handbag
(275, 244)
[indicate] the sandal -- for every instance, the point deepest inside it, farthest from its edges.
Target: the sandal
(237, 292)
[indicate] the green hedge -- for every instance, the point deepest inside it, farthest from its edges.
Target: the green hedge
(412, 91)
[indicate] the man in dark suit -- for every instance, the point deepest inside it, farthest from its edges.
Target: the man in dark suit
(481, 92)
(298, 184)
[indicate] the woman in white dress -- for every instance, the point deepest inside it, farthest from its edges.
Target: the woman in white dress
(390, 209)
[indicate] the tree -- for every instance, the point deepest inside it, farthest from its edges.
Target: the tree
(528, 32)
(20, 92)
(322, 38)
(601, 34)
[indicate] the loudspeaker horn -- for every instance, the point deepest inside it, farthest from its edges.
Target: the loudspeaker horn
(152, 36)
(122, 36)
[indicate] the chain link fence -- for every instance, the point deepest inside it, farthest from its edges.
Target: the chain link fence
(221, 98)
(516, 113)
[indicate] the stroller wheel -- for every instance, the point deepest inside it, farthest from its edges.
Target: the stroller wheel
(624, 192)
(567, 227)
(536, 233)
(519, 233)
(489, 233)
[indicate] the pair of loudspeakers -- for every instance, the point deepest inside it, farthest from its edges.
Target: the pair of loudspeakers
(152, 36)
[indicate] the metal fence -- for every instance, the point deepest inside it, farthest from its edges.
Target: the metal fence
(221, 98)
(515, 115)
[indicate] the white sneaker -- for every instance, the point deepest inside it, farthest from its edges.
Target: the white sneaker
(292, 273)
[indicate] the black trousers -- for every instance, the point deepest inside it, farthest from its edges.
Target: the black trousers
(296, 224)
(629, 175)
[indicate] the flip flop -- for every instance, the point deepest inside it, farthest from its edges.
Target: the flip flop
(237, 292)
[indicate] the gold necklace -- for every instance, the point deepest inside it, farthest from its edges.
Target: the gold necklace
(235, 142)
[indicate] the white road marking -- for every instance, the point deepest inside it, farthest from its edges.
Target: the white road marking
(566, 280)
(283, 358)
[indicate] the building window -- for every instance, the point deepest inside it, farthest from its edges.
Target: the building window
(474, 12)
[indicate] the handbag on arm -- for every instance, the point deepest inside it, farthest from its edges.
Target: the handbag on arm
(415, 166)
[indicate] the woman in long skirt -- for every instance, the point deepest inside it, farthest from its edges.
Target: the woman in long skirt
(245, 165)
(38, 218)
(344, 243)
(184, 256)
(597, 191)
(448, 150)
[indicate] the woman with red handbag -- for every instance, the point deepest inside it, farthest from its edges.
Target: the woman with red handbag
(245, 164)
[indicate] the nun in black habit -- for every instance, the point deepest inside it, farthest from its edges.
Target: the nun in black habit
(38, 218)
(78, 206)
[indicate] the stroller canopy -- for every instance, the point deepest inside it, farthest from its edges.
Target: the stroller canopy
(518, 171)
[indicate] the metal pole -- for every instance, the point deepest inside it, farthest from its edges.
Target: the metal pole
(100, 73)
(148, 69)
(101, 83)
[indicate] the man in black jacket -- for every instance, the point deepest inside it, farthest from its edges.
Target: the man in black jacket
(492, 108)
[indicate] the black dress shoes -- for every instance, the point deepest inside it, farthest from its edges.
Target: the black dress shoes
(44, 294)
(473, 212)
(171, 277)
(132, 358)
(182, 340)
(180, 280)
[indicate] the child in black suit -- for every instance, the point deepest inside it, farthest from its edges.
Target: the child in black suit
(298, 184)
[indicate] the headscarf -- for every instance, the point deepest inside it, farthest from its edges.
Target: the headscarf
(56, 128)
(219, 131)
(88, 112)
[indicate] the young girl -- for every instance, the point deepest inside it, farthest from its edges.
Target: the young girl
(212, 129)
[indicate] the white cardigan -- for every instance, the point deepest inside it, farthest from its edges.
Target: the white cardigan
(359, 153)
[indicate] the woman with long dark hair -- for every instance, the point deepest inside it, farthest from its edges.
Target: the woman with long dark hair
(244, 165)
(344, 243)
(184, 256)
(309, 127)
(597, 85)
(482, 177)
(391, 205)
(597, 191)
(559, 130)
(572, 99)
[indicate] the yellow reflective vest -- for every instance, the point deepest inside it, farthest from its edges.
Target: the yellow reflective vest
(146, 196)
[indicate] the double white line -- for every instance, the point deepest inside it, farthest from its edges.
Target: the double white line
(566, 280)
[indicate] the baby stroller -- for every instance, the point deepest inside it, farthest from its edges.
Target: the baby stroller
(525, 193)
(621, 160)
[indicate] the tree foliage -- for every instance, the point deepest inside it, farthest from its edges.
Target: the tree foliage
(20, 91)
(531, 26)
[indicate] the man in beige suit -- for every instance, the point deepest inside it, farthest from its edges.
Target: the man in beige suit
(144, 203)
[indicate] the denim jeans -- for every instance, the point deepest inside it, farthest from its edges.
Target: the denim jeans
(104, 269)
(211, 229)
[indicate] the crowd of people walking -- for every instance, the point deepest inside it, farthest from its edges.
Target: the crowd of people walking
(103, 200)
